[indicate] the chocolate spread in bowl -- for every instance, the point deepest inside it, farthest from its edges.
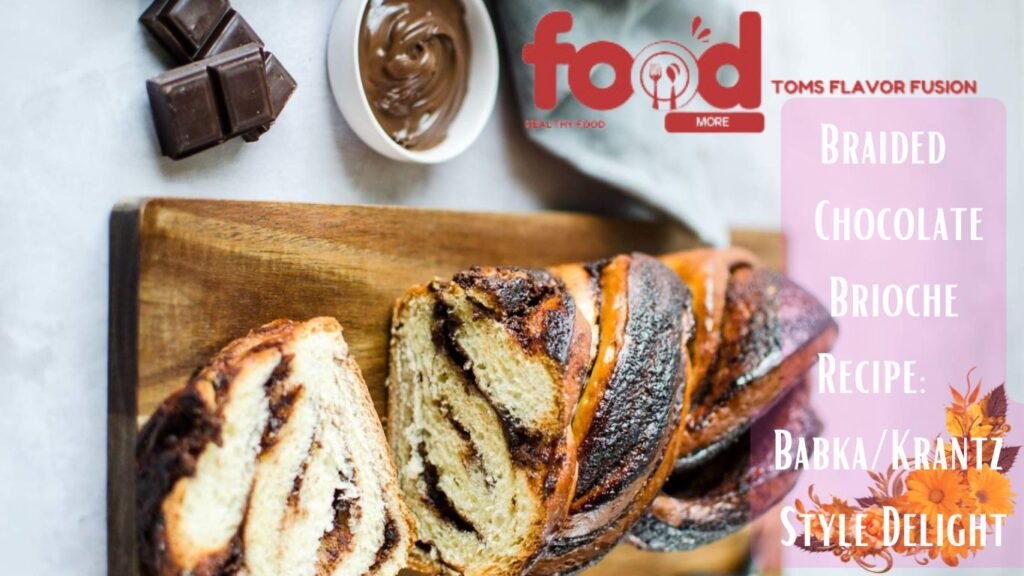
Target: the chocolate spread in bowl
(414, 62)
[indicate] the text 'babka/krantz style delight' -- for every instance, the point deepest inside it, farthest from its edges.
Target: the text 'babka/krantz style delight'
(271, 460)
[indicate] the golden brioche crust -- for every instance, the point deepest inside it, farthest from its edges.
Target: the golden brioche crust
(628, 420)
(757, 333)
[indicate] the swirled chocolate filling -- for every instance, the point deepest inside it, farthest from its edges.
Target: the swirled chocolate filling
(414, 62)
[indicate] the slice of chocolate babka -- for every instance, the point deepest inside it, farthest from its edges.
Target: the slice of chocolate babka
(271, 460)
(485, 373)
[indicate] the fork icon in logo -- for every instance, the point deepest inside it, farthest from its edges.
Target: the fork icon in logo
(654, 72)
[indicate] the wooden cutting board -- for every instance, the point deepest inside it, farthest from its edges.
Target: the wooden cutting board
(188, 276)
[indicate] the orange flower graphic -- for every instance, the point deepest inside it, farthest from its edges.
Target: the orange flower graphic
(949, 551)
(935, 493)
(874, 530)
(990, 491)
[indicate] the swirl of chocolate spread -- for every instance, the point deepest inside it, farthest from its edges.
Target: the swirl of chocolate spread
(414, 62)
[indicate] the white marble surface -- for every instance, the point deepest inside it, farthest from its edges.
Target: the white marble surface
(75, 136)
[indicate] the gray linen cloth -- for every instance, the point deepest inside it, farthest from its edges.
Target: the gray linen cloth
(633, 152)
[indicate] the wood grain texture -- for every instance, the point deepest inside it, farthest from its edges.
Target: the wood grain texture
(188, 276)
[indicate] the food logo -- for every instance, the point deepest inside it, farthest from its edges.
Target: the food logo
(667, 73)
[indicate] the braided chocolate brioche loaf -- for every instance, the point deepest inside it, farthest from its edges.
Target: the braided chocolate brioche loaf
(538, 417)
(757, 333)
(271, 461)
(536, 412)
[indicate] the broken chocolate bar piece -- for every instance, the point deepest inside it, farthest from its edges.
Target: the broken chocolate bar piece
(202, 104)
(196, 29)
(233, 32)
(185, 27)
(281, 85)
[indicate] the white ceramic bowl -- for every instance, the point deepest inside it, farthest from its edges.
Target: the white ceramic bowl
(481, 89)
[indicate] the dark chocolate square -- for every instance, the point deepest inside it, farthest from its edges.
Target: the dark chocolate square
(243, 85)
(281, 85)
(194, 21)
(233, 32)
(185, 111)
(184, 26)
(280, 82)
